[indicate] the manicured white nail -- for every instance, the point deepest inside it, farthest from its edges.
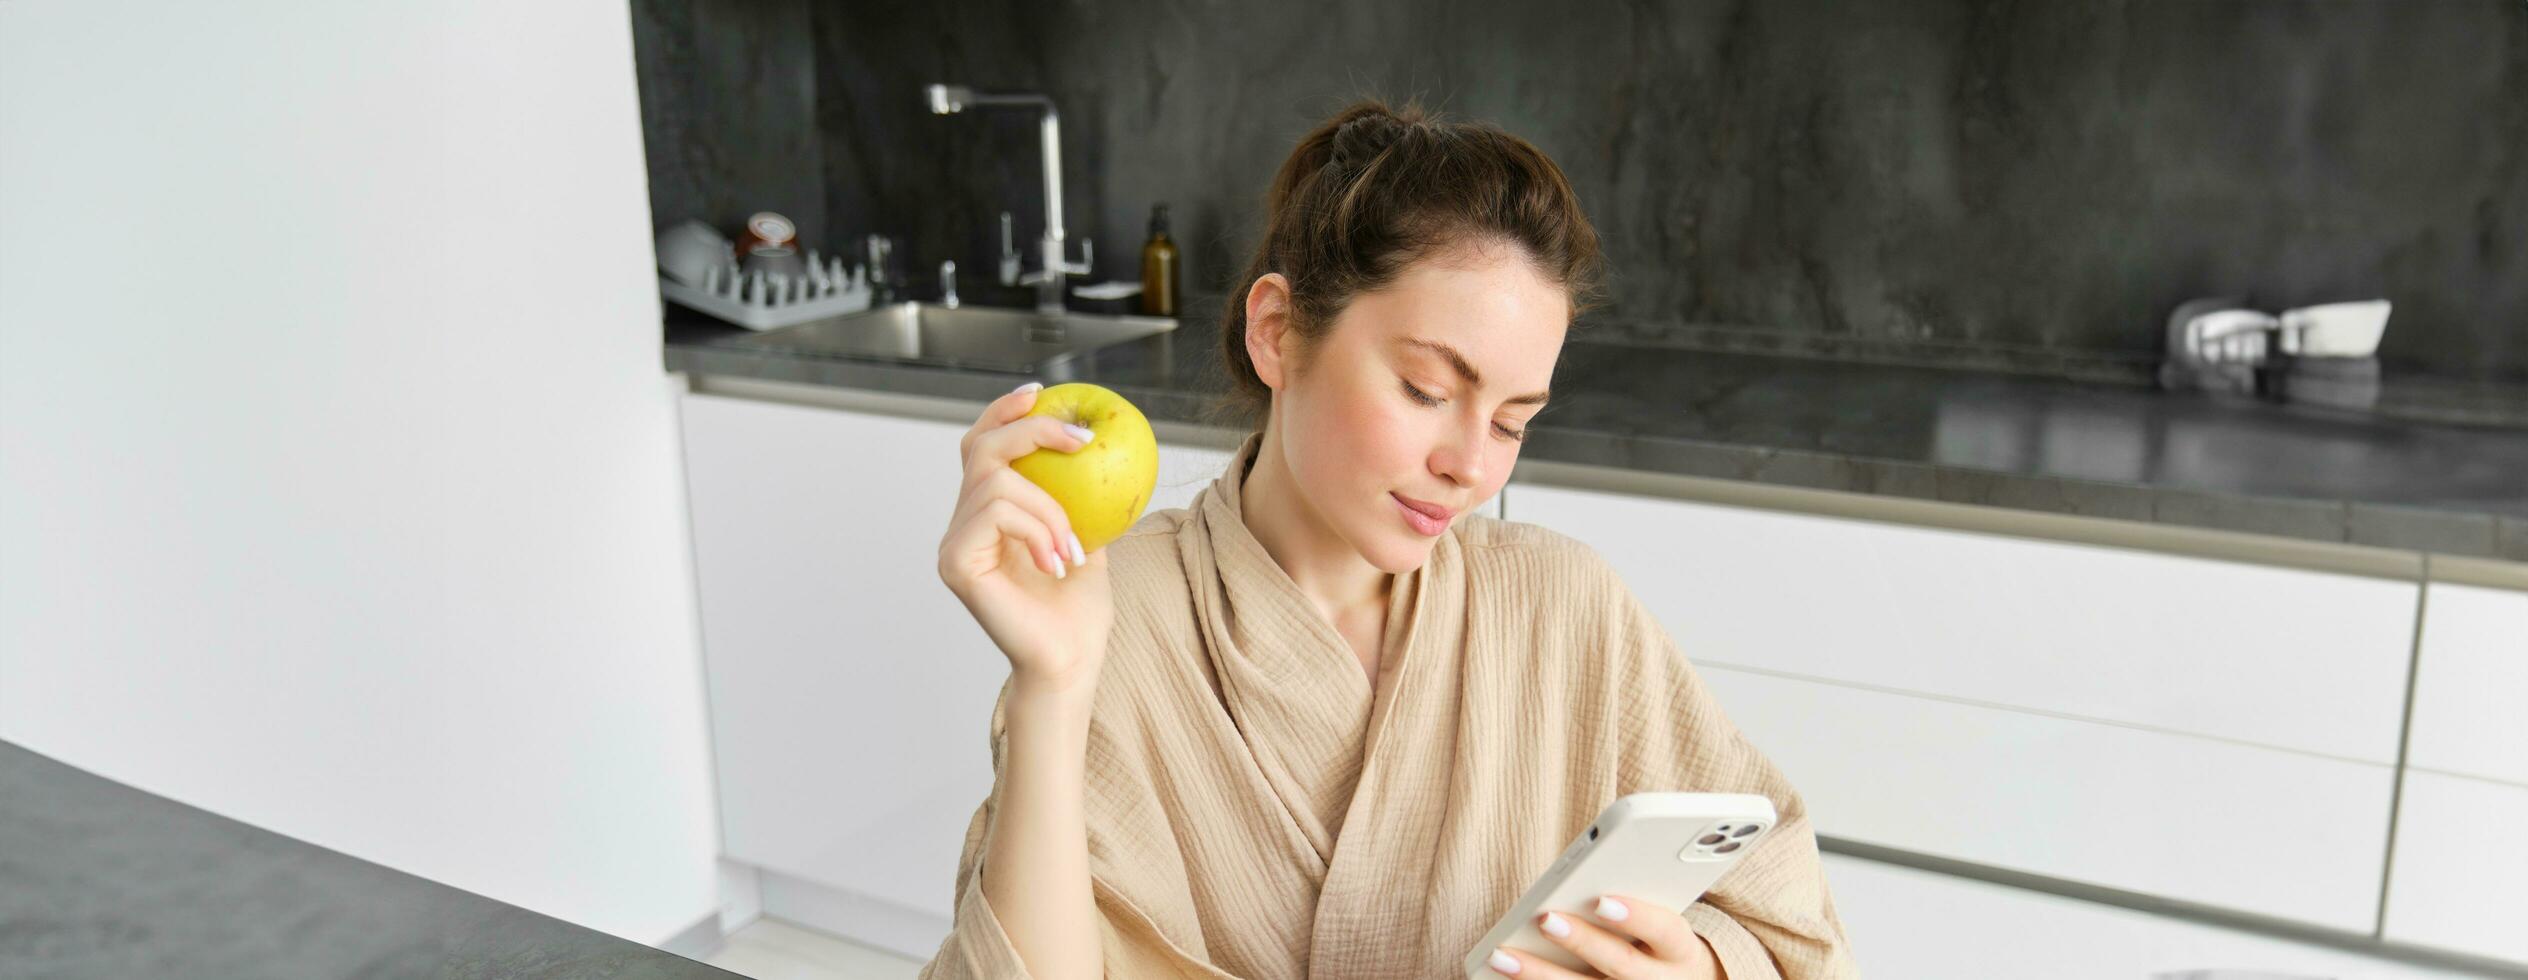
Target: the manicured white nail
(1556, 927)
(1079, 432)
(1029, 386)
(1079, 555)
(1612, 910)
(1503, 962)
(1060, 570)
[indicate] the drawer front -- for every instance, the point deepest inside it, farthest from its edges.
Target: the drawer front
(2292, 659)
(2259, 830)
(2460, 881)
(2471, 686)
(1906, 922)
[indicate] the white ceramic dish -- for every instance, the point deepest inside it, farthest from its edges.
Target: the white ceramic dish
(2335, 329)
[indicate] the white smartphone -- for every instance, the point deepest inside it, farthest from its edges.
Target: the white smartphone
(1664, 848)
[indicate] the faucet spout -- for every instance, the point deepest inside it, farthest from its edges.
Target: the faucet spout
(1056, 268)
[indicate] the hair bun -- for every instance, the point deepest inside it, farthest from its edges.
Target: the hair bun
(1363, 137)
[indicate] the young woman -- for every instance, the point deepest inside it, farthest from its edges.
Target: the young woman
(1323, 722)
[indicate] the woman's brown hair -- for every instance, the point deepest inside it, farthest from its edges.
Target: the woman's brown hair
(1374, 189)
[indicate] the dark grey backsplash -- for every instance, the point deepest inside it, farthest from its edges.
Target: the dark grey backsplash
(728, 97)
(2049, 178)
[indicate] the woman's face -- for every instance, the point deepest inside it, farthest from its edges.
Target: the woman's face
(1420, 391)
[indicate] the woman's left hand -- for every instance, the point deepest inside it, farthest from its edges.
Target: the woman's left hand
(1646, 942)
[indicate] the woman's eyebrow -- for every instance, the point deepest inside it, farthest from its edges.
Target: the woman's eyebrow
(1467, 371)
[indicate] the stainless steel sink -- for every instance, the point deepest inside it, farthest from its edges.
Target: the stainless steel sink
(975, 337)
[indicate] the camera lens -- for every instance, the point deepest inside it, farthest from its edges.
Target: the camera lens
(1710, 839)
(1744, 831)
(1726, 848)
(1593, 833)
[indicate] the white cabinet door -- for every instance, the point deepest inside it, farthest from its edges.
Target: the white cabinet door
(851, 693)
(1905, 922)
(2301, 660)
(2460, 878)
(2210, 731)
(2219, 823)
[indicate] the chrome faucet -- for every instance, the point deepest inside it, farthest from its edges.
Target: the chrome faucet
(1051, 278)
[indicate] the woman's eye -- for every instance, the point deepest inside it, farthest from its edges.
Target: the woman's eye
(1429, 400)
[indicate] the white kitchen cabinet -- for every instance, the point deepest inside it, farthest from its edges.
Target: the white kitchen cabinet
(2302, 660)
(2209, 731)
(2218, 823)
(2460, 877)
(1906, 922)
(1183, 473)
(2471, 685)
(850, 690)
(851, 693)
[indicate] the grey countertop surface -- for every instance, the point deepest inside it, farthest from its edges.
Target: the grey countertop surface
(98, 879)
(1969, 437)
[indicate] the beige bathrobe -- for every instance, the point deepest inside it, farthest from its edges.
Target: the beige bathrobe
(1257, 808)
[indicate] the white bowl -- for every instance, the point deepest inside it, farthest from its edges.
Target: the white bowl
(2335, 329)
(691, 249)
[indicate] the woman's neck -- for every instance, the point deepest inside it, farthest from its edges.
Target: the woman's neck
(1327, 569)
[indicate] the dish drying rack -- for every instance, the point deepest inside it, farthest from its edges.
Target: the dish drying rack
(763, 300)
(2324, 354)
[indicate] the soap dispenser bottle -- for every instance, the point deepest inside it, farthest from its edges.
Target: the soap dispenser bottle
(1158, 268)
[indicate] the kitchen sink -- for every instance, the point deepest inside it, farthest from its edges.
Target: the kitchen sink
(973, 337)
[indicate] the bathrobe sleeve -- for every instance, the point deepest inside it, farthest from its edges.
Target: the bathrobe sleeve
(1771, 917)
(976, 947)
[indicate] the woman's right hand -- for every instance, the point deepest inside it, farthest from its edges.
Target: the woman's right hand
(1009, 554)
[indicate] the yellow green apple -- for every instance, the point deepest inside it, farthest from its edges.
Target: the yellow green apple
(1104, 486)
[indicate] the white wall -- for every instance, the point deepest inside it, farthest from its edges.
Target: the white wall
(339, 486)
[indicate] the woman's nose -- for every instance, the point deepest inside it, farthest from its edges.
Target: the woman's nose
(1462, 458)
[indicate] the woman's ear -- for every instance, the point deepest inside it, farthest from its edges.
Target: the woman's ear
(1268, 326)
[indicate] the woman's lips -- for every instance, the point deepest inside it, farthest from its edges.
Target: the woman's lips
(1429, 519)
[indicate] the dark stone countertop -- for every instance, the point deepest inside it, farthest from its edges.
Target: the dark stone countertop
(98, 879)
(1969, 437)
